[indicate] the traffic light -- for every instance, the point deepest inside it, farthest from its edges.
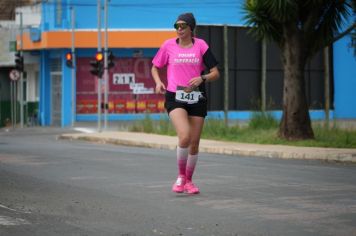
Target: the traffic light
(111, 58)
(98, 65)
(69, 59)
(19, 62)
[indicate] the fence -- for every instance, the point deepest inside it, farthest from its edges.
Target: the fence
(244, 72)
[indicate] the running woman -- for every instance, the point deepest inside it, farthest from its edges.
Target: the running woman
(186, 58)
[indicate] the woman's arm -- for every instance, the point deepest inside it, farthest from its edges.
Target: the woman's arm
(160, 87)
(212, 75)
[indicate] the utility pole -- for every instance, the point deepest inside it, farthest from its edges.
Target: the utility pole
(21, 74)
(226, 76)
(263, 74)
(98, 78)
(326, 86)
(13, 94)
(74, 67)
(106, 69)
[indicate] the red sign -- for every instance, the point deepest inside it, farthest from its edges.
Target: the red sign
(129, 80)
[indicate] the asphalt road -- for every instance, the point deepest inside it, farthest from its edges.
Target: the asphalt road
(60, 187)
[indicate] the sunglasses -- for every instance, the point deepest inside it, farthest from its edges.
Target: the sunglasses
(180, 25)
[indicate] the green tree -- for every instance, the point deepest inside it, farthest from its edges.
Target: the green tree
(300, 28)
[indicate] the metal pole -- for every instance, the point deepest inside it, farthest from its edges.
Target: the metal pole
(73, 68)
(12, 104)
(0, 102)
(106, 71)
(226, 76)
(99, 80)
(326, 85)
(263, 74)
(15, 86)
(21, 74)
(13, 91)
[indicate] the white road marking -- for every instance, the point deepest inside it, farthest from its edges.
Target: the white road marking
(6, 220)
(10, 209)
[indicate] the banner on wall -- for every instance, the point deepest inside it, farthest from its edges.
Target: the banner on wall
(131, 87)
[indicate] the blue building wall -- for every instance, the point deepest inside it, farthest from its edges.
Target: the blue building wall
(140, 14)
(45, 90)
(345, 80)
(161, 14)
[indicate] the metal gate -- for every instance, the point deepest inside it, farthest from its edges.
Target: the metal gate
(56, 81)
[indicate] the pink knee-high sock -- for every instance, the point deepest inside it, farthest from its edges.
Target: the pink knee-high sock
(191, 163)
(182, 156)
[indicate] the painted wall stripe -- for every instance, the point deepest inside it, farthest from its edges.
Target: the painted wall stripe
(89, 39)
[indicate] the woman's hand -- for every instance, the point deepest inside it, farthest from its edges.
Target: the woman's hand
(211, 76)
(195, 82)
(160, 88)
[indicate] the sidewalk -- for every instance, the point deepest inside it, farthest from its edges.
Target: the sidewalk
(218, 147)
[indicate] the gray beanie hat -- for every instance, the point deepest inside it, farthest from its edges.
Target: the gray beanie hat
(188, 18)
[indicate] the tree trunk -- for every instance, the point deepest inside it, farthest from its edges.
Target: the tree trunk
(295, 123)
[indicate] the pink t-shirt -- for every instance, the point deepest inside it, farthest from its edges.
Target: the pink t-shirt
(182, 63)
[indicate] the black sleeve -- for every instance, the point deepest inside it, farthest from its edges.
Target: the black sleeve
(209, 59)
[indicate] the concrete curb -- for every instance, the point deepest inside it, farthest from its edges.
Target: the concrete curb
(141, 140)
(218, 147)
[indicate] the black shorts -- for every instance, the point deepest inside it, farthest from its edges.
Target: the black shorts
(197, 109)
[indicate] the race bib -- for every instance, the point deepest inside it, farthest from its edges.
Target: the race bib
(187, 95)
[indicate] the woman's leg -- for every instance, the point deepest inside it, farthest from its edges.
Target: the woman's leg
(179, 119)
(196, 126)
(181, 123)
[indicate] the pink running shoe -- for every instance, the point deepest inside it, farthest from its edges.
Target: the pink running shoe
(190, 188)
(178, 186)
